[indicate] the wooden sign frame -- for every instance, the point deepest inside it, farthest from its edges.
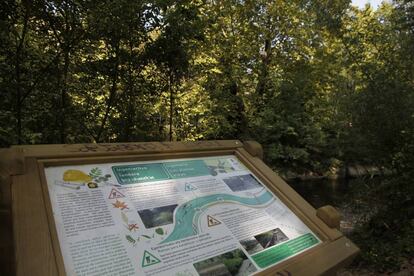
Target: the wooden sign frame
(37, 249)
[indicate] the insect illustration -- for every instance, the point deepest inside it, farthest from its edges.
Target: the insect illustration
(133, 227)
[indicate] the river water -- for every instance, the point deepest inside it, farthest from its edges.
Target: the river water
(323, 192)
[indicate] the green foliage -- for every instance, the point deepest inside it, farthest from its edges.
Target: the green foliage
(233, 260)
(384, 249)
(387, 238)
(159, 231)
(233, 264)
(318, 83)
(95, 173)
(312, 81)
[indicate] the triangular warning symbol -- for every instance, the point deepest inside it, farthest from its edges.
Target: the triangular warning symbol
(212, 221)
(189, 187)
(115, 194)
(149, 259)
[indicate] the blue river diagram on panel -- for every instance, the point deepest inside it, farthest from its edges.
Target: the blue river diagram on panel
(187, 215)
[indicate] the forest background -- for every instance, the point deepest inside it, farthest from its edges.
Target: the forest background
(320, 84)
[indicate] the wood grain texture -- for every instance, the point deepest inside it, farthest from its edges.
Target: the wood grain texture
(32, 242)
(5, 189)
(60, 265)
(329, 215)
(12, 161)
(131, 158)
(84, 150)
(254, 149)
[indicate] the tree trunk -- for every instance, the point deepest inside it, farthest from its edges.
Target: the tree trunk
(263, 74)
(170, 86)
(131, 100)
(18, 106)
(112, 93)
(63, 97)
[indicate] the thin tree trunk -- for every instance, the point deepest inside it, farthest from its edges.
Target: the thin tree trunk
(112, 93)
(63, 97)
(18, 101)
(131, 99)
(170, 86)
(66, 49)
(39, 76)
(263, 74)
(57, 101)
(18, 107)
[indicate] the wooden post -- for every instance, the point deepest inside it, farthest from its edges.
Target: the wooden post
(11, 163)
(12, 160)
(254, 148)
(330, 216)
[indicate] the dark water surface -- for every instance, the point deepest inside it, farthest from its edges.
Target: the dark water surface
(324, 191)
(343, 194)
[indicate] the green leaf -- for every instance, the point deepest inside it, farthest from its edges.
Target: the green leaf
(95, 173)
(159, 231)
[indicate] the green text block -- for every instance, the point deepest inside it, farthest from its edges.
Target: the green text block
(283, 251)
(183, 169)
(129, 174)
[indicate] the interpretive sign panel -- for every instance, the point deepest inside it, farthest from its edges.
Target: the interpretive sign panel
(194, 216)
(163, 208)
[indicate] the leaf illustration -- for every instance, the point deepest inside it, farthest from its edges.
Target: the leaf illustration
(159, 231)
(95, 173)
(130, 239)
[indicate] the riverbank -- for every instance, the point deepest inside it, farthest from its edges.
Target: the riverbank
(358, 201)
(338, 172)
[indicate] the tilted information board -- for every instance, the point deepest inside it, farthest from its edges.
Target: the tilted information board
(196, 208)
